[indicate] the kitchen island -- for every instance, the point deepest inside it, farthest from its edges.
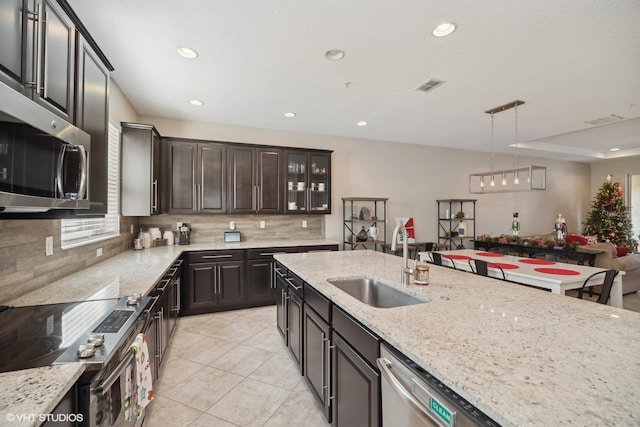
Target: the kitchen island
(521, 355)
(30, 392)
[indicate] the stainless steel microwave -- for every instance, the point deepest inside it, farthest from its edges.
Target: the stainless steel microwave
(44, 160)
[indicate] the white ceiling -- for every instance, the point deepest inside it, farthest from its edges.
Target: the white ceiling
(570, 61)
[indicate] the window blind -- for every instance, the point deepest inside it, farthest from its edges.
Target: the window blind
(77, 232)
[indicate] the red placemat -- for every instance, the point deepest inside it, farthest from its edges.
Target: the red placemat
(557, 271)
(537, 261)
(502, 265)
(495, 254)
(462, 257)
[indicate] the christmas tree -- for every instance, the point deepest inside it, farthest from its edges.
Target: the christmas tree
(609, 218)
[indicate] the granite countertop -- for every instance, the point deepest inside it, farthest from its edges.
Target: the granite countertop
(38, 390)
(521, 355)
(133, 271)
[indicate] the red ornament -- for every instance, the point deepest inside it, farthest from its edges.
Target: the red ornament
(618, 189)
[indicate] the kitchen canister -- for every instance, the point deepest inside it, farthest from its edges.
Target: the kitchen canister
(168, 235)
(146, 239)
(155, 233)
(421, 275)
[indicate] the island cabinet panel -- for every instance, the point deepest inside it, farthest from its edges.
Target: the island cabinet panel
(355, 376)
(316, 353)
(338, 355)
(294, 327)
(282, 301)
(355, 388)
(195, 176)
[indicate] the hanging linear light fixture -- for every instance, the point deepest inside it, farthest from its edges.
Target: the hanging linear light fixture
(536, 175)
(516, 180)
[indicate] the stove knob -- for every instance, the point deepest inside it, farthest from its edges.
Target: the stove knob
(86, 350)
(96, 339)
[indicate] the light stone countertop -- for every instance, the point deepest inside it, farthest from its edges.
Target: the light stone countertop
(38, 390)
(30, 393)
(523, 356)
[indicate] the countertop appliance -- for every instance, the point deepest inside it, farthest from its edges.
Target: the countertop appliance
(44, 160)
(411, 397)
(185, 234)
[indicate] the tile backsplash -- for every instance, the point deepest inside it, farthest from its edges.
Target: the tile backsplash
(24, 266)
(211, 228)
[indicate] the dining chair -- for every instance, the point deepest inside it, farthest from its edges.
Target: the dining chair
(423, 247)
(607, 284)
(436, 258)
(550, 257)
(481, 267)
(504, 251)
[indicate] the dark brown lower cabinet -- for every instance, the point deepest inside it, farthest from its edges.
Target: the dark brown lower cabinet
(316, 364)
(214, 287)
(355, 388)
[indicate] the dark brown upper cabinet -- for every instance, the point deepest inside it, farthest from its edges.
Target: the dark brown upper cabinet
(140, 170)
(195, 176)
(308, 182)
(255, 180)
(92, 116)
(37, 53)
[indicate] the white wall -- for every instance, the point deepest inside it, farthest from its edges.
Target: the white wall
(120, 109)
(414, 176)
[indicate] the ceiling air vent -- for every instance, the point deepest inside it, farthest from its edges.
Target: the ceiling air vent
(603, 120)
(430, 85)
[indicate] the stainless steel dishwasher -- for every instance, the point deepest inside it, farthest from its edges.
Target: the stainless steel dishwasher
(411, 397)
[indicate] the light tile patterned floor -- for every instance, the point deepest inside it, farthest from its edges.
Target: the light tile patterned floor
(231, 369)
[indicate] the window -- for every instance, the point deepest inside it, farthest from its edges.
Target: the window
(77, 232)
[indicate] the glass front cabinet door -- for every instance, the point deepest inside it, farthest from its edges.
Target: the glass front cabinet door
(307, 182)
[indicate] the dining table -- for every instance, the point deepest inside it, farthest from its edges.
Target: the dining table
(557, 277)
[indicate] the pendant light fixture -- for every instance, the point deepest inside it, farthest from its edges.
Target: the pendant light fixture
(516, 179)
(493, 182)
(510, 178)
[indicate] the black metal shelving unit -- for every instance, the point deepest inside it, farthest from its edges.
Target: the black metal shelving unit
(447, 222)
(353, 223)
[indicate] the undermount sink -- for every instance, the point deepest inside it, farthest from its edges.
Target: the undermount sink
(375, 293)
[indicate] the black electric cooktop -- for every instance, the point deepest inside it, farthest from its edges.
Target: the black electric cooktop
(35, 336)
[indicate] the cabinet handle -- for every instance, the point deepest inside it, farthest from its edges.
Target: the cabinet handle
(218, 274)
(330, 349)
(216, 256)
(323, 362)
(176, 309)
(154, 203)
(297, 288)
(162, 289)
(36, 57)
(272, 276)
(280, 273)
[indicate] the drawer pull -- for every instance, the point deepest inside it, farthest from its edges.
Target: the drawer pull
(216, 256)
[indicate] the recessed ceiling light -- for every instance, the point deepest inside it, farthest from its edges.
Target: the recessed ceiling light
(196, 102)
(290, 114)
(614, 149)
(187, 52)
(362, 123)
(334, 54)
(444, 29)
